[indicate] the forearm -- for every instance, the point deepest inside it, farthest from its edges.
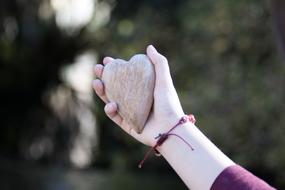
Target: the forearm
(198, 168)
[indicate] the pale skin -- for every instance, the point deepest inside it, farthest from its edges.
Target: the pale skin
(199, 168)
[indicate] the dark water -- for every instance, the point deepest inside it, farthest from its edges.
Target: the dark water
(16, 176)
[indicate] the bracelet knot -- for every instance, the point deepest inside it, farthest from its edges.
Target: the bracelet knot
(162, 137)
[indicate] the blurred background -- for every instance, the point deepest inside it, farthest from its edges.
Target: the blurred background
(225, 58)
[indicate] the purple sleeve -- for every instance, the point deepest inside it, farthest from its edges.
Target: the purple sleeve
(236, 178)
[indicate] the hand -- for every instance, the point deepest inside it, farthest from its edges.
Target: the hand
(166, 111)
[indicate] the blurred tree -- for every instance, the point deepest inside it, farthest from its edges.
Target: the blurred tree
(32, 52)
(223, 61)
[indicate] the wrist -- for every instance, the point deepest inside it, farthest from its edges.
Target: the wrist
(200, 167)
(162, 124)
(173, 143)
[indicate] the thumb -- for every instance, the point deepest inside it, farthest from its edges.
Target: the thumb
(163, 77)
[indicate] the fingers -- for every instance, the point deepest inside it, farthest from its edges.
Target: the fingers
(111, 110)
(107, 60)
(162, 72)
(98, 69)
(99, 89)
(98, 84)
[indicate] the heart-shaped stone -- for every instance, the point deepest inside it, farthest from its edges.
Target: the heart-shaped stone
(131, 85)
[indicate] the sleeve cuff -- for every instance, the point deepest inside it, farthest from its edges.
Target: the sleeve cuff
(235, 178)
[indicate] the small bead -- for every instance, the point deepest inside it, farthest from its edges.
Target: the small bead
(184, 119)
(192, 118)
(157, 153)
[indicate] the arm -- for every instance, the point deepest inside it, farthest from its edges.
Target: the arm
(200, 168)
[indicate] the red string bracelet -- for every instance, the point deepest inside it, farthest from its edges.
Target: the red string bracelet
(161, 138)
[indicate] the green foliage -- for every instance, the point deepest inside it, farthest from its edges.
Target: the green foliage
(223, 60)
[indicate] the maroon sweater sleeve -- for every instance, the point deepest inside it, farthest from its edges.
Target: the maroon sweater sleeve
(237, 178)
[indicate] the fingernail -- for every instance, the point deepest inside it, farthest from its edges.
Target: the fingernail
(113, 105)
(110, 107)
(152, 48)
(106, 60)
(95, 67)
(98, 66)
(98, 69)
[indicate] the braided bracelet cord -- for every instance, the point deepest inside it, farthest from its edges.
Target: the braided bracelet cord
(161, 138)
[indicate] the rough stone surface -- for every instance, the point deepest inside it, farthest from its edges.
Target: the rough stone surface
(131, 85)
